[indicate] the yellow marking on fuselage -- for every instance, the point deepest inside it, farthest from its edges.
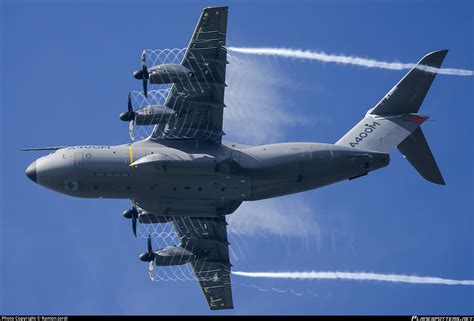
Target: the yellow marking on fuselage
(130, 152)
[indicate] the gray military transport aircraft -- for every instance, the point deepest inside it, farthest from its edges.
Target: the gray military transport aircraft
(185, 174)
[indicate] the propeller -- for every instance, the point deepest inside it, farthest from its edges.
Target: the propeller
(148, 256)
(132, 213)
(143, 74)
(129, 116)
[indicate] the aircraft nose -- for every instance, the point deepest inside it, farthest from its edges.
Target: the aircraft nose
(31, 171)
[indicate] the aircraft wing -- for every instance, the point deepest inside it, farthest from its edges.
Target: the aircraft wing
(199, 101)
(207, 238)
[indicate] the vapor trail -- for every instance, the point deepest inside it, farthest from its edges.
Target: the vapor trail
(341, 59)
(357, 276)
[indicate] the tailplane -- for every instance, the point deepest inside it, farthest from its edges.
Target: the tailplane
(395, 121)
(416, 150)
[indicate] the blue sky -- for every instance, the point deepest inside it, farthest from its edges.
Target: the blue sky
(65, 73)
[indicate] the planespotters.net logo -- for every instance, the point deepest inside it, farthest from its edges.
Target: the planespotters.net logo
(416, 318)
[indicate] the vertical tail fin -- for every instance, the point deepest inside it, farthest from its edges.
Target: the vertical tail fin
(394, 121)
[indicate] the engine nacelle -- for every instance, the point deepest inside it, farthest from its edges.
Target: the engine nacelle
(153, 114)
(170, 255)
(169, 73)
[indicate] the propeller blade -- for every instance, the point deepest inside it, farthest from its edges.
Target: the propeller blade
(145, 87)
(150, 249)
(145, 73)
(131, 129)
(129, 103)
(134, 225)
(151, 270)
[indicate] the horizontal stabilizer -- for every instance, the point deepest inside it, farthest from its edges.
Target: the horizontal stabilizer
(418, 153)
(42, 148)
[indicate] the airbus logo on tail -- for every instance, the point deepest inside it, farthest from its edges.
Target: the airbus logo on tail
(366, 132)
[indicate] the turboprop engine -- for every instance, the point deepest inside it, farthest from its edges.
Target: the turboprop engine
(170, 255)
(149, 115)
(161, 74)
(166, 74)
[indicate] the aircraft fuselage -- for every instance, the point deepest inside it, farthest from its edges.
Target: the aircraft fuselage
(172, 183)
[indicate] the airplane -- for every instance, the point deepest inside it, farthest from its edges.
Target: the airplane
(185, 174)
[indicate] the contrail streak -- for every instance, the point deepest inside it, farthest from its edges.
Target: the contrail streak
(341, 59)
(354, 276)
